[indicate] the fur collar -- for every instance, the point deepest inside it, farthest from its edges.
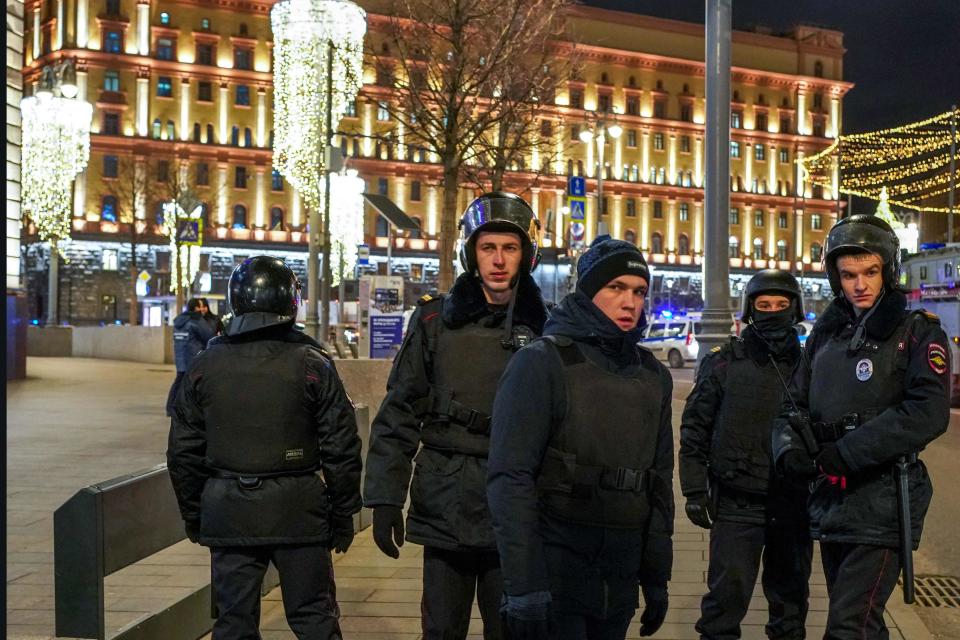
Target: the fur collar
(880, 325)
(466, 303)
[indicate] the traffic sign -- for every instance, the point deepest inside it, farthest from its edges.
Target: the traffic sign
(578, 208)
(363, 254)
(190, 231)
(576, 186)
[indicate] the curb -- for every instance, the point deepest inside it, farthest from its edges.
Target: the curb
(906, 618)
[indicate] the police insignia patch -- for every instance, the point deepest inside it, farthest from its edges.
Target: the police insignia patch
(715, 350)
(937, 358)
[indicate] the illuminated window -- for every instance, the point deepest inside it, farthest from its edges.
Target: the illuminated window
(782, 250)
(205, 24)
(684, 212)
(656, 243)
(815, 221)
(242, 96)
(758, 218)
(784, 220)
(165, 48)
(683, 245)
(383, 114)
(784, 155)
(164, 87)
(276, 219)
(734, 215)
(759, 152)
(239, 217)
(111, 81)
(684, 144)
(276, 181)
(631, 208)
(108, 260)
(108, 208)
(734, 149)
(164, 18)
(816, 253)
(757, 249)
(733, 247)
(658, 141)
(112, 42)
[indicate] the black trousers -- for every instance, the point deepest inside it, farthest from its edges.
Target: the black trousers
(736, 552)
(306, 582)
(572, 626)
(172, 395)
(450, 581)
(860, 579)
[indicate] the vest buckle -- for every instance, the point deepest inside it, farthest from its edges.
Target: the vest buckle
(627, 479)
(249, 483)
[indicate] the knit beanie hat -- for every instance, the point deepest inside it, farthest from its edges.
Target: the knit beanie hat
(607, 259)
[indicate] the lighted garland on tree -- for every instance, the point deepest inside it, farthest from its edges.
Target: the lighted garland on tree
(302, 32)
(56, 147)
(186, 264)
(908, 164)
(346, 222)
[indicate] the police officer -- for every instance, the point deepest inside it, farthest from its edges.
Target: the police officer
(191, 332)
(440, 395)
(581, 463)
(871, 388)
(259, 413)
(726, 471)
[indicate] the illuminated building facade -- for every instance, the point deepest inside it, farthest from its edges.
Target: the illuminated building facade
(191, 81)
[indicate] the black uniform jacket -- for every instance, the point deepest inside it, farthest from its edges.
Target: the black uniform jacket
(450, 513)
(287, 508)
(866, 511)
(600, 566)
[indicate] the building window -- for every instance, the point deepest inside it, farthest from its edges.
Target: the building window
(818, 69)
(235, 136)
(733, 247)
(239, 216)
(575, 132)
(604, 209)
(240, 178)
(112, 7)
(734, 149)
(163, 170)
(659, 109)
(923, 272)
(633, 106)
(784, 155)
(110, 166)
(736, 119)
(815, 223)
(276, 219)
(415, 191)
(171, 130)
(156, 129)
(383, 186)
(351, 109)
(782, 250)
(816, 253)
(111, 81)
(112, 41)
(759, 152)
(603, 103)
(758, 218)
(818, 101)
(383, 114)
(631, 137)
(630, 236)
(631, 208)
(656, 242)
(734, 215)
(242, 58)
(205, 54)
(108, 260)
(247, 137)
(658, 209)
(165, 48)
(684, 144)
(382, 227)
(686, 112)
(203, 174)
(164, 18)
(684, 212)
(761, 122)
(818, 127)
(576, 98)
(205, 24)
(757, 249)
(204, 92)
(164, 87)
(242, 96)
(683, 245)
(111, 124)
(658, 141)
(108, 208)
(783, 220)
(210, 136)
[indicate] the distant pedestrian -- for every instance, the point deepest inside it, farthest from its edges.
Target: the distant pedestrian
(260, 415)
(191, 332)
(211, 318)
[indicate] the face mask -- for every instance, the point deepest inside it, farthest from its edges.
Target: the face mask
(773, 322)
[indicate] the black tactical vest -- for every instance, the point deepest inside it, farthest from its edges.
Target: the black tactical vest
(864, 382)
(240, 438)
(740, 455)
(466, 365)
(598, 469)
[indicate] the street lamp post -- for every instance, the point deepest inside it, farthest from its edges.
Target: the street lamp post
(598, 132)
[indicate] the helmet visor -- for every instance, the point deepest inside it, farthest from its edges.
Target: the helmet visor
(505, 214)
(859, 236)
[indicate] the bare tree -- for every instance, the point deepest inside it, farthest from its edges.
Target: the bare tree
(181, 194)
(458, 70)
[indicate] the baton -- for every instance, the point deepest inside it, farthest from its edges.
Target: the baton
(906, 544)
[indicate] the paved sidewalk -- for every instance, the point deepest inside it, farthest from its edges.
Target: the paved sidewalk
(75, 422)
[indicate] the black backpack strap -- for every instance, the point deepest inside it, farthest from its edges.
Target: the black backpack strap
(569, 352)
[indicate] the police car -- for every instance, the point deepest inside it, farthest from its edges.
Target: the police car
(673, 338)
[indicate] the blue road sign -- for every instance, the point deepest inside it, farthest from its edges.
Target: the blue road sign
(363, 254)
(576, 186)
(578, 208)
(190, 231)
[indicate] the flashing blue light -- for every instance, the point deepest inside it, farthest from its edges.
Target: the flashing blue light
(811, 316)
(35, 321)
(117, 322)
(666, 313)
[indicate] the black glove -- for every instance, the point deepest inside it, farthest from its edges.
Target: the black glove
(655, 603)
(193, 530)
(831, 462)
(697, 512)
(798, 466)
(388, 529)
(341, 533)
(526, 617)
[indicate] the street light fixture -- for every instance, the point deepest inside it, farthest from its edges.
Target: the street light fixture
(598, 132)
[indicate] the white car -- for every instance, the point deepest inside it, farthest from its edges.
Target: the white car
(674, 339)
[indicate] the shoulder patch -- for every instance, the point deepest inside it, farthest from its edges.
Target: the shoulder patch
(716, 349)
(937, 358)
(425, 298)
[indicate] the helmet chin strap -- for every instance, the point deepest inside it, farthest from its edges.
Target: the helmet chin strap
(507, 340)
(860, 334)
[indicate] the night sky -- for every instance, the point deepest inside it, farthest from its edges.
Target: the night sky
(903, 55)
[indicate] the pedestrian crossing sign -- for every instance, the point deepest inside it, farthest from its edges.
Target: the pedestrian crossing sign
(578, 208)
(190, 231)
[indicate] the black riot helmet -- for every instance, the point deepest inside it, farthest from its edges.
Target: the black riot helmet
(504, 212)
(267, 285)
(773, 282)
(862, 234)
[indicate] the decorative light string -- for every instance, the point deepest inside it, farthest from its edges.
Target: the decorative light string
(346, 222)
